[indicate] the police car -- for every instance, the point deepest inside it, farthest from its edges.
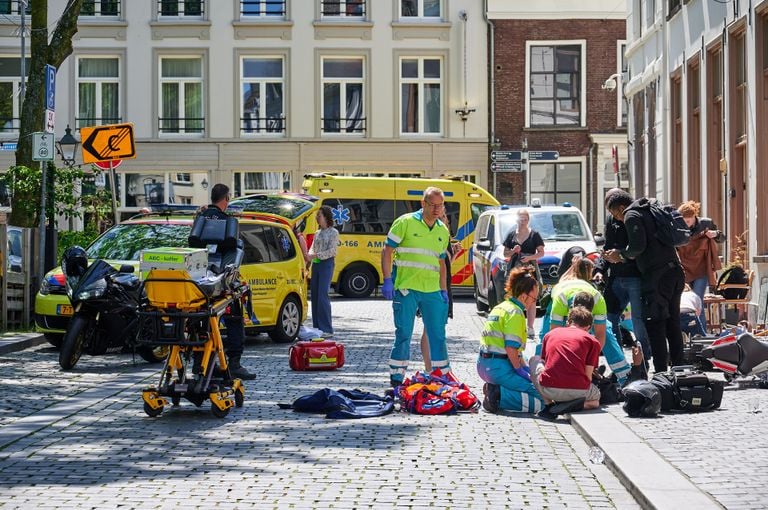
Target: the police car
(561, 227)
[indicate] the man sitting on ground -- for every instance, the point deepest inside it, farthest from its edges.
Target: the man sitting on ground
(563, 373)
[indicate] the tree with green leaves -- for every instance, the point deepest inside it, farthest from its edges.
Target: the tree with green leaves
(44, 50)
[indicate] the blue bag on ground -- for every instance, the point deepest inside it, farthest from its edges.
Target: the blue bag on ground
(342, 404)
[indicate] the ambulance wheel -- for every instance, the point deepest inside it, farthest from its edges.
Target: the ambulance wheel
(239, 397)
(152, 412)
(357, 281)
(288, 321)
(218, 413)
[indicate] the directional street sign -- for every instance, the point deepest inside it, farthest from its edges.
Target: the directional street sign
(543, 155)
(102, 143)
(50, 87)
(8, 146)
(507, 166)
(501, 156)
(42, 147)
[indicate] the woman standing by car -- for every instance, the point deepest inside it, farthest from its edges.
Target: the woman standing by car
(322, 253)
(699, 257)
(525, 246)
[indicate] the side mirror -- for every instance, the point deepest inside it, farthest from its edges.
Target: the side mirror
(599, 239)
(483, 245)
(126, 268)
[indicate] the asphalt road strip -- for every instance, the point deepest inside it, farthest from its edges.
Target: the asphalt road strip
(28, 425)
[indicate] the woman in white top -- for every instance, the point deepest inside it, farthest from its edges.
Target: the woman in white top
(323, 252)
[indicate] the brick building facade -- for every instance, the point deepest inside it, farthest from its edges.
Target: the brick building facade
(548, 82)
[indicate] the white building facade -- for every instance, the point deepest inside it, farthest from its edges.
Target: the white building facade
(258, 93)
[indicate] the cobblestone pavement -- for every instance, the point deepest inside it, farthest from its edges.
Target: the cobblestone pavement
(104, 452)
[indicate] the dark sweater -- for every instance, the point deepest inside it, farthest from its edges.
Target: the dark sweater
(648, 252)
(616, 238)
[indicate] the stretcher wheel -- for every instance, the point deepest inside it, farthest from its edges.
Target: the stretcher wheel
(239, 397)
(218, 413)
(152, 412)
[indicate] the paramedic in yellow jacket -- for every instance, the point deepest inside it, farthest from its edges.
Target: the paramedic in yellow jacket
(415, 278)
(501, 364)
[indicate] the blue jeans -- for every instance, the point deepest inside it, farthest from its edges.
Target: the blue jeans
(690, 323)
(628, 290)
(434, 314)
(699, 287)
(319, 286)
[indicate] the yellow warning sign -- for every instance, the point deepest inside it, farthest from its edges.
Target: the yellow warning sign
(104, 143)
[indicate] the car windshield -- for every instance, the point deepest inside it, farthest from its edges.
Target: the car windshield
(279, 205)
(553, 226)
(125, 241)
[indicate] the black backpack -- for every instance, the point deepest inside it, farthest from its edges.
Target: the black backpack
(671, 229)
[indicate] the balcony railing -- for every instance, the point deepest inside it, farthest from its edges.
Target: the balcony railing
(14, 7)
(81, 122)
(343, 124)
(249, 125)
(181, 125)
(100, 8)
(262, 7)
(343, 8)
(181, 8)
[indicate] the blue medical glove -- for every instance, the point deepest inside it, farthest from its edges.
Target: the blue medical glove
(525, 374)
(388, 289)
(444, 295)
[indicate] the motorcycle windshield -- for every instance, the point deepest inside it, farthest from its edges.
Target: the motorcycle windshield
(94, 276)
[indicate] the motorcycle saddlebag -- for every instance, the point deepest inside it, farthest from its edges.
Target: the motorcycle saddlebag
(316, 355)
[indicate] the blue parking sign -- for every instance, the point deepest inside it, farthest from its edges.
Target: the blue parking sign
(50, 87)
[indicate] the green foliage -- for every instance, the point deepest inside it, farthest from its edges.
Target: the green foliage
(24, 181)
(68, 238)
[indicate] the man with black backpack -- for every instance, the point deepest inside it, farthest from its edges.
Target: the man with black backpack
(662, 276)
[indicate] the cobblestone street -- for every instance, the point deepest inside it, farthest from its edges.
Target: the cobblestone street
(81, 439)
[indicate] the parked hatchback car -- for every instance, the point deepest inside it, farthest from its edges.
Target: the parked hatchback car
(561, 227)
(272, 266)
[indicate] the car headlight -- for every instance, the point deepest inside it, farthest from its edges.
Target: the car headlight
(94, 290)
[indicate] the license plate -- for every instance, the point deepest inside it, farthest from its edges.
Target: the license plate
(64, 310)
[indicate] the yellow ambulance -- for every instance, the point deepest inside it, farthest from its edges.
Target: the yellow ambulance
(364, 209)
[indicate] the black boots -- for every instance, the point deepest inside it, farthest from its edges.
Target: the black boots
(237, 371)
(551, 411)
(492, 397)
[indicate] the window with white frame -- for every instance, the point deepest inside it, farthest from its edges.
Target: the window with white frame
(352, 9)
(623, 72)
(420, 8)
(262, 8)
(555, 85)
(343, 81)
(247, 183)
(181, 95)
(10, 84)
(100, 8)
(555, 183)
(98, 91)
(262, 99)
(186, 8)
(421, 98)
(650, 13)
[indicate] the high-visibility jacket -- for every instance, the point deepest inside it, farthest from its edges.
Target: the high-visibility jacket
(562, 298)
(418, 252)
(505, 327)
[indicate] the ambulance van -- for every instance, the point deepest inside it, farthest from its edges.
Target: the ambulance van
(364, 209)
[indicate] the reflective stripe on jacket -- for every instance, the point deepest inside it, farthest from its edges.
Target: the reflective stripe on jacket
(418, 250)
(505, 327)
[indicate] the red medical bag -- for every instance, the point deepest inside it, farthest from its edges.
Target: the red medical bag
(318, 354)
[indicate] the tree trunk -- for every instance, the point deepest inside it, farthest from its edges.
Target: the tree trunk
(33, 108)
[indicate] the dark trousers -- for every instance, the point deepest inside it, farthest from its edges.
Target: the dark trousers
(661, 308)
(319, 287)
(235, 337)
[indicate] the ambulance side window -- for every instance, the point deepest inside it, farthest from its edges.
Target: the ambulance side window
(271, 242)
(362, 215)
(254, 244)
(286, 248)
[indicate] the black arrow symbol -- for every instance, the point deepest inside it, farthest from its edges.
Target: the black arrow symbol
(107, 152)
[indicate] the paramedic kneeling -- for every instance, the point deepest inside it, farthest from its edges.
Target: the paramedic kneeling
(568, 357)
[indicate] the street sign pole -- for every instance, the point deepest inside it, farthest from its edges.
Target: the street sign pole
(43, 192)
(113, 190)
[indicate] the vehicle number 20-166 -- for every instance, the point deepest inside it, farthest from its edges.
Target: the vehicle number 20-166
(348, 244)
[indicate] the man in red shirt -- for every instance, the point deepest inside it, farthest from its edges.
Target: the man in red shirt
(568, 357)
